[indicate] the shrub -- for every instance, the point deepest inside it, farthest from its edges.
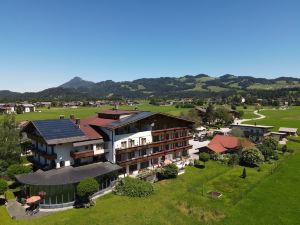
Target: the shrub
(204, 157)
(87, 187)
(266, 151)
(215, 156)
(3, 186)
(168, 171)
(16, 169)
(224, 158)
(133, 187)
(3, 166)
(275, 156)
(251, 157)
(234, 160)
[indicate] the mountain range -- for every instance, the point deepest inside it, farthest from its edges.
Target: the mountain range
(200, 85)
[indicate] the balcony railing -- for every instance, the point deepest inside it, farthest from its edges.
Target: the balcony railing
(167, 130)
(85, 153)
(44, 154)
(153, 155)
(153, 144)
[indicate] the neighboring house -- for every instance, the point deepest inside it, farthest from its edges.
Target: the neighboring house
(25, 108)
(7, 108)
(288, 131)
(278, 135)
(43, 104)
(226, 144)
(254, 132)
(112, 140)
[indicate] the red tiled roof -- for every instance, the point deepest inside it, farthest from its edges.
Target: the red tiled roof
(101, 121)
(90, 132)
(117, 112)
(221, 143)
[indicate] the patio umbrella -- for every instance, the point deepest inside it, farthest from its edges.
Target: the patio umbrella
(33, 199)
(167, 161)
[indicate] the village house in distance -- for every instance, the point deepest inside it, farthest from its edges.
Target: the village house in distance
(111, 143)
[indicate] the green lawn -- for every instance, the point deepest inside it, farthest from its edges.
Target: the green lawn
(280, 118)
(275, 201)
(181, 201)
(83, 112)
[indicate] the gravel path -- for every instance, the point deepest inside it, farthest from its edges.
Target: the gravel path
(260, 116)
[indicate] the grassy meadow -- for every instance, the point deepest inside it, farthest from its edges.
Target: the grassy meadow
(83, 112)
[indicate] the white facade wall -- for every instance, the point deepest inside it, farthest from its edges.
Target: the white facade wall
(135, 136)
(63, 154)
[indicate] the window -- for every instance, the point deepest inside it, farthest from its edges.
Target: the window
(143, 141)
(99, 146)
(124, 144)
(143, 152)
(131, 155)
(130, 143)
(132, 168)
(144, 164)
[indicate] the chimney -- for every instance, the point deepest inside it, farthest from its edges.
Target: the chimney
(72, 117)
(77, 122)
(61, 117)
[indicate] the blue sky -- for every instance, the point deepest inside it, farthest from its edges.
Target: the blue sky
(45, 43)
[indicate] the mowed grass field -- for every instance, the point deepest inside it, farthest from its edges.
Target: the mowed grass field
(280, 118)
(83, 112)
(276, 200)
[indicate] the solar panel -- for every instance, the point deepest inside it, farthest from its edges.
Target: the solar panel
(56, 129)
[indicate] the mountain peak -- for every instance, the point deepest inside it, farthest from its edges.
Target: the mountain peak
(77, 82)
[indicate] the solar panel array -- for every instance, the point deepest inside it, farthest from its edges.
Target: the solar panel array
(57, 129)
(131, 118)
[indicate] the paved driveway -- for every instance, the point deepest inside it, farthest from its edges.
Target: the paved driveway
(196, 144)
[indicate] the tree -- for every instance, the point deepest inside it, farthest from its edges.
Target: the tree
(10, 149)
(204, 157)
(87, 187)
(237, 132)
(209, 116)
(223, 116)
(244, 174)
(16, 169)
(3, 186)
(240, 113)
(266, 151)
(251, 157)
(270, 142)
(193, 115)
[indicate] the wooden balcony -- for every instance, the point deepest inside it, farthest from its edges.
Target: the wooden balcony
(153, 156)
(86, 153)
(46, 155)
(153, 144)
(82, 154)
(168, 130)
